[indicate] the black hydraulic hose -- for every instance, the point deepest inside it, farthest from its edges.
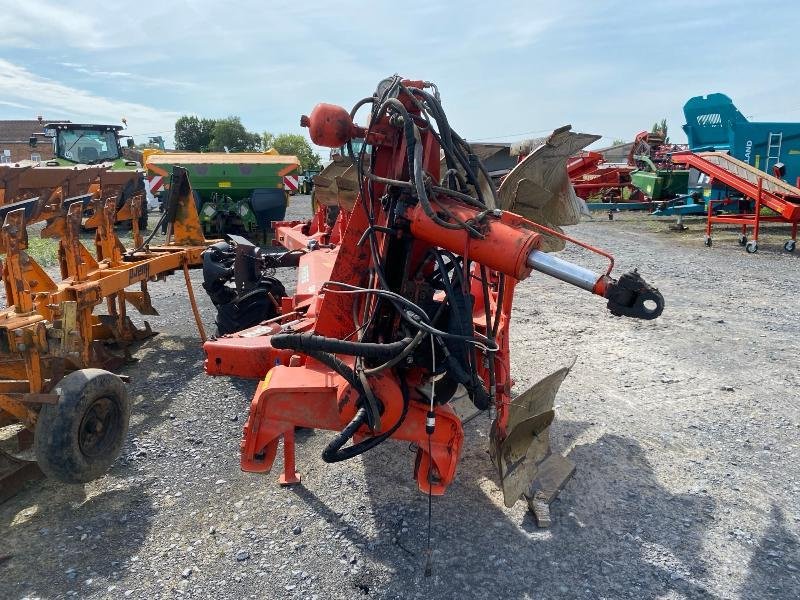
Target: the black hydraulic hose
(335, 452)
(329, 360)
(435, 107)
(306, 342)
(422, 195)
(360, 103)
(152, 233)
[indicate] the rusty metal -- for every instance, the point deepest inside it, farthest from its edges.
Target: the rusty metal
(20, 181)
(50, 327)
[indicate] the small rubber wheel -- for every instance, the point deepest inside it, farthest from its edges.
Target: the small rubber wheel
(742, 240)
(707, 241)
(790, 245)
(79, 438)
(751, 247)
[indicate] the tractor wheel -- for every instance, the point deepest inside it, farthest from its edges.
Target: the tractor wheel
(751, 247)
(790, 246)
(79, 438)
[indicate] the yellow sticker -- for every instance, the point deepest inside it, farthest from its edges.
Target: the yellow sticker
(225, 184)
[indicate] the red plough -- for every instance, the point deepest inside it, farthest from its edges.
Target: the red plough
(403, 302)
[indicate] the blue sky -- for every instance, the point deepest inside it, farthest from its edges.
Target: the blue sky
(506, 70)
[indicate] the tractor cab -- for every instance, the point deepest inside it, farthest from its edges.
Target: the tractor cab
(75, 143)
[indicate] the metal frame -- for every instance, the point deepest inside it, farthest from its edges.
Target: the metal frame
(49, 327)
(763, 189)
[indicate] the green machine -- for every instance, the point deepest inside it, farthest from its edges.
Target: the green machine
(94, 144)
(82, 144)
(659, 183)
(235, 192)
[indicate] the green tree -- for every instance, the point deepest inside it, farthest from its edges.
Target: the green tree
(193, 134)
(618, 142)
(230, 134)
(662, 127)
(296, 145)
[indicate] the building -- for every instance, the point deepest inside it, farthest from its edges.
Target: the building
(15, 141)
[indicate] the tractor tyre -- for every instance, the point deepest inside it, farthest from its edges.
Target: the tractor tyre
(79, 438)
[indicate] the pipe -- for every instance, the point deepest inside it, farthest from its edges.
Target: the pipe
(200, 329)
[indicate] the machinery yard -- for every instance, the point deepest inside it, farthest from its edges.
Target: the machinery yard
(684, 431)
(328, 302)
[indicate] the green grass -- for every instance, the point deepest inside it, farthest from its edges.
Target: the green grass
(43, 250)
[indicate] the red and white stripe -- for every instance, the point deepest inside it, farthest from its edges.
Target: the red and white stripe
(291, 182)
(156, 182)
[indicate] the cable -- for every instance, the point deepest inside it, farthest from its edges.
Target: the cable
(430, 426)
(150, 237)
(508, 135)
(484, 344)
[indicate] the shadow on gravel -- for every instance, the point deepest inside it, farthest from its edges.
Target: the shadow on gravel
(164, 369)
(617, 532)
(774, 568)
(95, 537)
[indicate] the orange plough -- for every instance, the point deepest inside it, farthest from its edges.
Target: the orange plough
(55, 351)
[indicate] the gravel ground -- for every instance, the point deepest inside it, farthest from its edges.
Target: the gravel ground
(684, 431)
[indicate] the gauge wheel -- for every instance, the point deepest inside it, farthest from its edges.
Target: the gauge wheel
(751, 247)
(78, 438)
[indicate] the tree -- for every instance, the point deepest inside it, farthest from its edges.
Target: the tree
(296, 145)
(229, 134)
(661, 127)
(193, 134)
(618, 142)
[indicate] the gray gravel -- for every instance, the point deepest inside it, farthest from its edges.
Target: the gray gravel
(684, 430)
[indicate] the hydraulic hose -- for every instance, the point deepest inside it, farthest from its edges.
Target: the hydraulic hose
(306, 343)
(335, 451)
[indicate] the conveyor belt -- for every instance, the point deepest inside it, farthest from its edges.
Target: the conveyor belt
(778, 195)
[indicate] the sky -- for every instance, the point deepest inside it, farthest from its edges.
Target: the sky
(506, 70)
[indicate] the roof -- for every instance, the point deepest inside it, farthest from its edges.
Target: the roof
(216, 158)
(22, 130)
(70, 125)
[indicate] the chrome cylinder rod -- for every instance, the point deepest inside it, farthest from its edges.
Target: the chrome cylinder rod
(563, 270)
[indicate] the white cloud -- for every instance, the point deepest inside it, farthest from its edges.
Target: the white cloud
(14, 104)
(133, 78)
(27, 22)
(57, 100)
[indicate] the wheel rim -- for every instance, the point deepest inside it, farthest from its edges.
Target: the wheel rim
(99, 427)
